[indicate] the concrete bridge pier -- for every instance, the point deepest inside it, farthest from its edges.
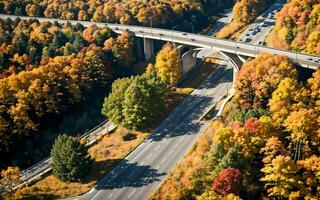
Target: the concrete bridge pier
(189, 60)
(148, 49)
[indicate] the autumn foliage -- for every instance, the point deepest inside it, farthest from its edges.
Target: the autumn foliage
(166, 12)
(298, 27)
(227, 181)
(273, 143)
(258, 78)
(169, 64)
(47, 69)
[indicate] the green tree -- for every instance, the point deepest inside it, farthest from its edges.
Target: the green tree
(70, 159)
(234, 158)
(112, 107)
(134, 102)
(144, 100)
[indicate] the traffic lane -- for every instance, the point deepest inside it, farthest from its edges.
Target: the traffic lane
(144, 172)
(162, 165)
(138, 173)
(170, 159)
(144, 192)
(132, 192)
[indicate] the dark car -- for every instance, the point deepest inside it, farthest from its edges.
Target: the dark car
(185, 34)
(192, 39)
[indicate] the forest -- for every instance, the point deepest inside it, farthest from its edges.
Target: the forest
(298, 27)
(163, 13)
(47, 69)
(265, 146)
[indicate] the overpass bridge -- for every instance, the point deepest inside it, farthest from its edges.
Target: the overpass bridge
(195, 40)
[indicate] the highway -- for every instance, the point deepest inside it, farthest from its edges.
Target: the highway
(263, 25)
(235, 47)
(221, 22)
(140, 173)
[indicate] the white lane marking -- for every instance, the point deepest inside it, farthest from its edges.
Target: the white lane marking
(91, 190)
(149, 156)
(140, 152)
(132, 193)
(157, 147)
(170, 152)
(96, 194)
(110, 195)
(142, 163)
(164, 160)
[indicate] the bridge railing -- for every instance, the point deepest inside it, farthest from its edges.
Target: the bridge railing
(155, 31)
(37, 170)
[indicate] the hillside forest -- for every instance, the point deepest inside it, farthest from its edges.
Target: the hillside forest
(48, 69)
(265, 146)
(298, 27)
(163, 13)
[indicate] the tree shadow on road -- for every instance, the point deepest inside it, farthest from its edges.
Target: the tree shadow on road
(129, 175)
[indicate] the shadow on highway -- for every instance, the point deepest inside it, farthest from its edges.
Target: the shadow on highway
(208, 83)
(132, 175)
(185, 118)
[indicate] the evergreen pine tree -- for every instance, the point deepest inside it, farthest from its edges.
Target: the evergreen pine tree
(70, 159)
(233, 158)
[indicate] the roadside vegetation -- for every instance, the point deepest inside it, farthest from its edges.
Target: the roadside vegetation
(297, 27)
(244, 12)
(105, 154)
(266, 144)
(47, 71)
(112, 148)
(70, 159)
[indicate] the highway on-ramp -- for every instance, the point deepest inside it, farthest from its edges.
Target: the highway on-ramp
(140, 173)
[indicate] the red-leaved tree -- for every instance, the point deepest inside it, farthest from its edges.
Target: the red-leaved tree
(227, 181)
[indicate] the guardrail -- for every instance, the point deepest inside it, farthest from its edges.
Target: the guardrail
(36, 171)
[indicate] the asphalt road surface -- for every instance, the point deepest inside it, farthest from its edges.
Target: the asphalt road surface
(221, 22)
(224, 20)
(139, 174)
(268, 20)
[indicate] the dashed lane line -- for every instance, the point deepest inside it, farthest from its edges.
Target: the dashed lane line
(132, 193)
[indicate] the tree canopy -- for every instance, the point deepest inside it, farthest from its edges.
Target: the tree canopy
(70, 158)
(134, 102)
(168, 64)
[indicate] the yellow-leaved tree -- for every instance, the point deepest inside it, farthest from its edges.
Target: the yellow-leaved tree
(281, 177)
(9, 179)
(168, 64)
